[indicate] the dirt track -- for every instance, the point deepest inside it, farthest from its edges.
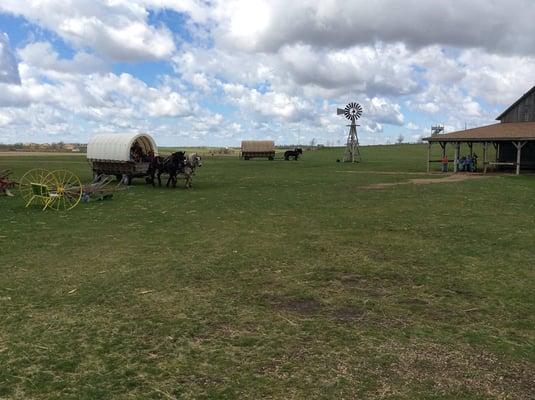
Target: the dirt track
(390, 173)
(427, 181)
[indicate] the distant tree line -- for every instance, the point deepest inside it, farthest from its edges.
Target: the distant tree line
(52, 147)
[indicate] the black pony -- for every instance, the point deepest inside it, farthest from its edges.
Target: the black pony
(171, 165)
(293, 153)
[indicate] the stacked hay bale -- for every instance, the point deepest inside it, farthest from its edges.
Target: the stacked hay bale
(258, 149)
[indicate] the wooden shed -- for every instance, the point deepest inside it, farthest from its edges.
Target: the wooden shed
(513, 138)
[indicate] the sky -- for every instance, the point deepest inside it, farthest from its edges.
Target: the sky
(215, 72)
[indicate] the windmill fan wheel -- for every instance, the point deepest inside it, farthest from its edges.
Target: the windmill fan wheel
(353, 111)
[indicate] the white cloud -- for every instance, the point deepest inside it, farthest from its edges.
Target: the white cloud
(372, 69)
(431, 108)
(497, 79)
(275, 68)
(9, 70)
(270, 104)
(43, 56)
(385, 112)
(111, 101)
(243, 22)
(471, 107)
(167, 103)
(5, 118)
(117, 29)
(198, 10)
(418, 23)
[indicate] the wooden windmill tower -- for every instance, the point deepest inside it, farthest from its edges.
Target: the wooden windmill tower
(352, 112)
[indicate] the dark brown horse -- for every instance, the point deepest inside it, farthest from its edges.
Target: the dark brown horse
(293, 153)
(171, 165)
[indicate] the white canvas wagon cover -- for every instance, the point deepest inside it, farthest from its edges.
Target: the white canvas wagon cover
(116, 146)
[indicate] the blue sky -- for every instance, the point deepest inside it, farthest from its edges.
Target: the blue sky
(216, 72)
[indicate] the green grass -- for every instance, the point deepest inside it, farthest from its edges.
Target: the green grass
(285, 280)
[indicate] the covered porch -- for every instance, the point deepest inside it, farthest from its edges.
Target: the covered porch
(512, 146)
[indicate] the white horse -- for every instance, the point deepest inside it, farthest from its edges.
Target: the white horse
(193, 161)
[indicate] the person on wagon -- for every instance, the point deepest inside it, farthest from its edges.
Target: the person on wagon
(136, 153)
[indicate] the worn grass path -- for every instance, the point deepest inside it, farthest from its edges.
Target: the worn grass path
(282, 280)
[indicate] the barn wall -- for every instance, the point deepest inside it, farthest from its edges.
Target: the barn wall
(507, 153)
(524, 111)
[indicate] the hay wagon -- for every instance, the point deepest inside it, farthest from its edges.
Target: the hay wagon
(124, 155)
(257, 149)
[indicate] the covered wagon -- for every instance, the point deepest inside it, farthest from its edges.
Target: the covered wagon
(125, 155)
(258, 148)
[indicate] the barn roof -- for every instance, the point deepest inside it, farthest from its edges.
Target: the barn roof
(116, 146)
(490, 133)
(528, 93)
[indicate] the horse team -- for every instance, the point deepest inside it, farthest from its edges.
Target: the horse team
(179, 164)
(176, 165)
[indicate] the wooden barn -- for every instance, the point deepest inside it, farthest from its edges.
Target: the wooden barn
(513, 138)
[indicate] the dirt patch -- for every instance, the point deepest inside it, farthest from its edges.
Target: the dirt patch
(349, 313)
(368, 287)
(461, 292)
(428, 181)
(413, 302)
(298, 306)
(352, 280)
(456, 370)
(302, 306)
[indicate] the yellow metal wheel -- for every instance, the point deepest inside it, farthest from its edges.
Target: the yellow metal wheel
(65, 190)
(33, 176)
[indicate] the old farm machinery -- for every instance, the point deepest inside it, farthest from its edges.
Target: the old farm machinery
(56, 190)
(61, 189)
(6, 183)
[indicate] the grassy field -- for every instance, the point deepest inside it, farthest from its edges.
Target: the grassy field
(286, 280)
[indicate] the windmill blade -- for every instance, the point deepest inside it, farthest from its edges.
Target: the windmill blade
(352, 111)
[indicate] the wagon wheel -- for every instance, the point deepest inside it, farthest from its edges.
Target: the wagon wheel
(36, 175)
(65, 190)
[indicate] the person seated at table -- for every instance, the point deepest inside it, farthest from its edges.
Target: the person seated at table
(468, 163)
(462, 164)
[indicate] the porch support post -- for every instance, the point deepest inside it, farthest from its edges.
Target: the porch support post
(456, 159)
(428, 157)
(485, 145)
(518, 146)
(471, 146)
